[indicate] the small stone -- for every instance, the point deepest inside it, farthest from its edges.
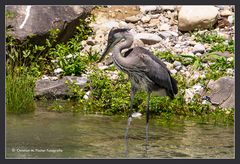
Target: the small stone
(132, 19)
(146, 19)
(168, 7)
(54, 61)
(225, 13)
(205, 102)
(148, 38)
(81, 81)
(58, 70)
(103, 67)
(172, 33)
(153, 22)
(230, 71)
(147, 8)
(86, 96)
(45, 77)
(155, 16)
(110, 24)
(164, 27)
(69, 56)
(164, 34)
(173, 71)
(53, 78)
(231, 19)
(136, 115)
(177, 63)
(178, 68)
(199, 48)
(198, 54)
(91, 42)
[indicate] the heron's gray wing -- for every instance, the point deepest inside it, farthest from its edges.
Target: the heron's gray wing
(144, 61)
(156, 71)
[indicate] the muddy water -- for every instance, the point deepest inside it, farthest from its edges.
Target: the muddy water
(45, 134)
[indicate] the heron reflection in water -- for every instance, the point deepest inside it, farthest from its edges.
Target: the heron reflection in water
(145, 71)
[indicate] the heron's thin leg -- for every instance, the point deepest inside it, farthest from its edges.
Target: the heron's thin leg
(147, 119)
(133, 91)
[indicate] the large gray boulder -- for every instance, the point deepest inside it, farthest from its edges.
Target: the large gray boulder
(197, 17)
(29, 20)
(222, 92)
(52, 89)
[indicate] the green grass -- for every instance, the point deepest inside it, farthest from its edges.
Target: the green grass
(20, 94)
(217, 42)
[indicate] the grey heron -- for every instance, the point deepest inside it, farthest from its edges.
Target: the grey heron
(145, 70)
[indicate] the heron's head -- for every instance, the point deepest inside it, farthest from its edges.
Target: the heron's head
(115, 36)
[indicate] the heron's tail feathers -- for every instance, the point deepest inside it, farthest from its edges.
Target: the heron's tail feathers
(174, 89)
(174, 85)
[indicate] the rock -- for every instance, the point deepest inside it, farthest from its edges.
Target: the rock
(177, 63)
(172, 33)
(230, 72)
(223, 22)
(169, 65)
(132, 19)
(110, 24)
(154, 22)
(222, 92)
(168, 7)
(225, 13)
(164, 34)
(58, 88)
(197, 17)
(136, 115)
(155, 16)
(173, 71)
(190, 92)
(58, 71)
(148, 38)
(86, 96)
(147, 8)
(199, 54)
(199, 48)
(91, 42)
(137, 43)
(231, 19)
(145, 19)
(38, 20)
(164, 27)
(224, 54)
(69, 56)
(178, 68)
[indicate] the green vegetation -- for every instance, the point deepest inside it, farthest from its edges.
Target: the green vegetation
(68, 55)
(111, 96)
(19, 93)
(27, 61)
(36, 58)
(214, 68)
(219, 43)
(9, 14)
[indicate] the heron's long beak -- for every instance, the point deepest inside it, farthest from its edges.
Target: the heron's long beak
(105, 52)
(109, 47)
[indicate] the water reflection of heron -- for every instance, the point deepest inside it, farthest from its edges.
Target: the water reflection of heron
(145, 70)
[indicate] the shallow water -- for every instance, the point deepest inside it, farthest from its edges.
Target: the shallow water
(45, 134)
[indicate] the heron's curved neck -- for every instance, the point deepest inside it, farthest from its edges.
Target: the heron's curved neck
(116, 54)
